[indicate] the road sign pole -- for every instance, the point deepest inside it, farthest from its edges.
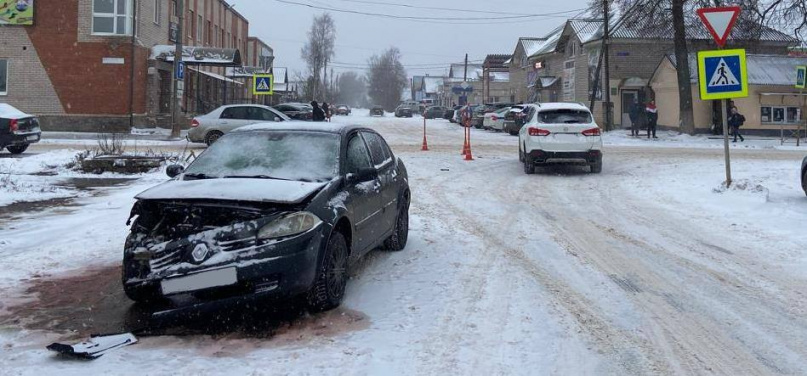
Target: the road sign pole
(726, 141)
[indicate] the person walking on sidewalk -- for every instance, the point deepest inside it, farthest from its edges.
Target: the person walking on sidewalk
(652, 118)
(318, 114)
(634, 112)
(736, 120)
(327, 110)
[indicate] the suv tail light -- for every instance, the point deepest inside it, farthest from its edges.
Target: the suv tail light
(13, 127)
(494, 118)
(538, 132)
(194, 123)
(592, 132)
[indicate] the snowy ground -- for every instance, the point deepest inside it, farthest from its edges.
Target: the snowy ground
(648, 268)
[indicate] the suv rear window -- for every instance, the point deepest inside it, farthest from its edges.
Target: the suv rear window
(564, 117)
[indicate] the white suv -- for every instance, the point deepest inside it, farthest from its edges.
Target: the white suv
(559, 133)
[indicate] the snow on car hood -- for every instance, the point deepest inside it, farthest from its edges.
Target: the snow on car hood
(8, 111)
(260, 190)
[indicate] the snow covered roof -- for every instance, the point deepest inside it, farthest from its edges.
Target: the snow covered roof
(587, 30)
(549, 43)
(8, 111)
(432, 84)
(244, 72)
(216, 76)
(475, 71)
(500, 76)
(697, 31)
(531, 45)
(762, 69)
(198, 55)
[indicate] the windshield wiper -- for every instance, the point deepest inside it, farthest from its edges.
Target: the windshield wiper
(254, 177)
(199, 176)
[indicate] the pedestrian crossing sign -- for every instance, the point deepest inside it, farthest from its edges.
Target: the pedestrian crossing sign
(801, 77)
(263, 84)
(722, 74)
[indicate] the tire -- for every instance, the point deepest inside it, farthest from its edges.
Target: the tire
(513, 133)
(596, 167)
(329, 286)
(520, 154)
(397, 242)
(804, 180)
(17, 149)
(212, 136)
(529, 166)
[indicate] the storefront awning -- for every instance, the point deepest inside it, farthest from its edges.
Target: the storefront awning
(216, 76)
(245, 72)
(199, 55)
(547, 81)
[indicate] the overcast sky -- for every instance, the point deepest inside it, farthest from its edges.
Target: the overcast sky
(284, 27)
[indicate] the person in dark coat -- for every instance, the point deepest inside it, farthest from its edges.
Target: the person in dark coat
(327, 110)
(736, 120)
(652, 118)
(633, 113)
(318, 115)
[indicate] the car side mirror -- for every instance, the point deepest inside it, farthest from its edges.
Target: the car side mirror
(278, 119)
(363, 175)
(174, 170)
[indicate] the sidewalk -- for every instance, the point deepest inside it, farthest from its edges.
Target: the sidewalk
(146, 134)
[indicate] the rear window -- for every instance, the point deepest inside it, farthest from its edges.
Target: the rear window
(564, 117)
(235, 113)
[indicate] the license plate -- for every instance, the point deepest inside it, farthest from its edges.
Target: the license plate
(200, 281)
(32, 138)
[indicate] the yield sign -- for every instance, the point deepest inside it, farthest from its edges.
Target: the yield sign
(719, 21)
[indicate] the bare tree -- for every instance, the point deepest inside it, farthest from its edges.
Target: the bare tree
(351, 89)
(319, 50)
(387, 78)
(784, 15)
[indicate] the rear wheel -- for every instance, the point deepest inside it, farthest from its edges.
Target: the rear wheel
(596, 167)
(397, 241)
(17, 149)
(529, 165)
(212, 137)
(520, 154)
(329, 286)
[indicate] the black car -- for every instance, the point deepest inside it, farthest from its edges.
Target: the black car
(804, 175)
(403, 111)
(18, 130)
(271, 209)
(296, 111)
(377, 111)
(434, 112)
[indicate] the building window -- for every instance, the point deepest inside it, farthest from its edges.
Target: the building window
(189, 24)
(3, 76)
(209, 39)
(111, 17)
(200, 30)
(157, 11)
(780, 115)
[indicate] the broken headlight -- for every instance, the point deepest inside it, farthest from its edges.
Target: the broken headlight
(288, 225)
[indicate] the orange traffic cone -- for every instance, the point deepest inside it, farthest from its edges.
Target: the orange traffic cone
(468, 155)
(425, 146)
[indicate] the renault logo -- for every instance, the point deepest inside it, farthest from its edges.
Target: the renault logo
(200, 252)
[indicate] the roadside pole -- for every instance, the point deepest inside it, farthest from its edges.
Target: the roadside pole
(425, 146)
(727, 150)
(176, 99)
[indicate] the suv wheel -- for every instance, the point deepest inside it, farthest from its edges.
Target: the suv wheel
(520, 154)
(529, 166)
(596, 167)
(17, 149)
(212, 137)
(329, 285)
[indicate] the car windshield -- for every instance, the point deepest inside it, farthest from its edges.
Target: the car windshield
(285, 155)
(564, 117)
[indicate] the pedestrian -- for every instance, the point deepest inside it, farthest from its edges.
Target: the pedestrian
(736, 120)
(652, 118)
(327, 110)
(318, 114)
(633, 112)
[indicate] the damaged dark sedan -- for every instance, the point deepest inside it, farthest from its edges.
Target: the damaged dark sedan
(268, 209)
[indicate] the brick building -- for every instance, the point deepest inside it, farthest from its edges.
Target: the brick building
(86, 65)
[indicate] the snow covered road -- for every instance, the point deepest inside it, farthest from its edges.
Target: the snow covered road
(647, 268)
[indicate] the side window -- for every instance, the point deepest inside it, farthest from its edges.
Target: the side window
(268, 115)
(238, 113)
(357, 156)
(378, 149)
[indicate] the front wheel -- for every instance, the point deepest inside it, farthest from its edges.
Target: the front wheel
(329, 286)
(17, 149)
(804, 180)
(397, 241)
(212, 137)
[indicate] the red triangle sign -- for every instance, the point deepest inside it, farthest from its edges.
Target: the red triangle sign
(719, 21)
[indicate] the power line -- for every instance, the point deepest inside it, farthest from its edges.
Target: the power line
(428, 8)
(419, 18)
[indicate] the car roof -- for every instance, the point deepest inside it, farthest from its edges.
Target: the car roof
(326, 127)
(558, 106)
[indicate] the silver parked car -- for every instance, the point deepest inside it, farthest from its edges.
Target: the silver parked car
(209, 128)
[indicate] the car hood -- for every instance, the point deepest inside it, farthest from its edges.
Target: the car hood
(257, 190)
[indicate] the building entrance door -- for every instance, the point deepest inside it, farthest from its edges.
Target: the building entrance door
(628, 98)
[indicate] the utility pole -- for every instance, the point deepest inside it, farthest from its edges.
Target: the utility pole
(176, 99)
(609, 119)
(325, 81)
(465, 75)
